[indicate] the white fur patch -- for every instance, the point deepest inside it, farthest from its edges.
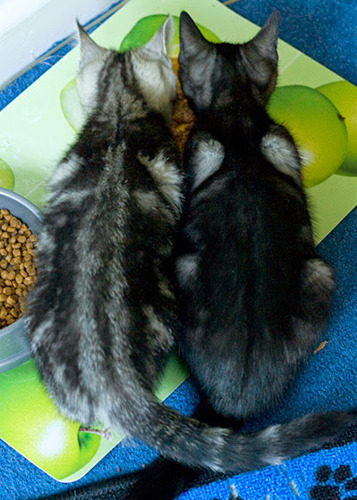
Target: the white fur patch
(318, 272)
(306, 156)
(87, 81)
(156, 78)
(208, 159)
(186, 267)
(65, 171)
(71, 196)
(154, 322)
(219, 441)
(165, 291)
(146, 200)
(46, 241)
(234, 494)
(274, 460)
(269, 436)
(40, 332)
(281, 153)
(270, 433)
(306, 233)
(167, 178)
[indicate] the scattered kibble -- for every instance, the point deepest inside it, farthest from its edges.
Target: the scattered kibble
(17, 267)
(321, 346)
(182, 121)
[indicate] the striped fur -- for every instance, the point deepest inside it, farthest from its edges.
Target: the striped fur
(102, 315)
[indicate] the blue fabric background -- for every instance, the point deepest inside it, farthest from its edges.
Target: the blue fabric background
(325, 30)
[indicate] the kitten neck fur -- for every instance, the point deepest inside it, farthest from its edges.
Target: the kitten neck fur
(146, 71)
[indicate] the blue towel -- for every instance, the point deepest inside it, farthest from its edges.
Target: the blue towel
(326, 475)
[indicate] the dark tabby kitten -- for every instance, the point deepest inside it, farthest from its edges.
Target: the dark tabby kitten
(254, 293)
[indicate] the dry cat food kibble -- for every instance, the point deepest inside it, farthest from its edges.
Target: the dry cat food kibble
(181, 121)
(17, 268)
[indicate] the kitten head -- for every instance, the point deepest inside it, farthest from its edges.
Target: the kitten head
(147, 69)
(216, 74)
(154, 70)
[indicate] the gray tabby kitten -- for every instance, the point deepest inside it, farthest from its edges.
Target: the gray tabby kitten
(102, 314)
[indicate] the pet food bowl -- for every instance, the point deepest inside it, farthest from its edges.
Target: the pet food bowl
(14, 348)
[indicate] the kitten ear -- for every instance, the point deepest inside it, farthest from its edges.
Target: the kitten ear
(162, 37)
(90, 64)
(196, 62)
(89, 50)
(191, 39)
(260, 57)
(265, 42)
